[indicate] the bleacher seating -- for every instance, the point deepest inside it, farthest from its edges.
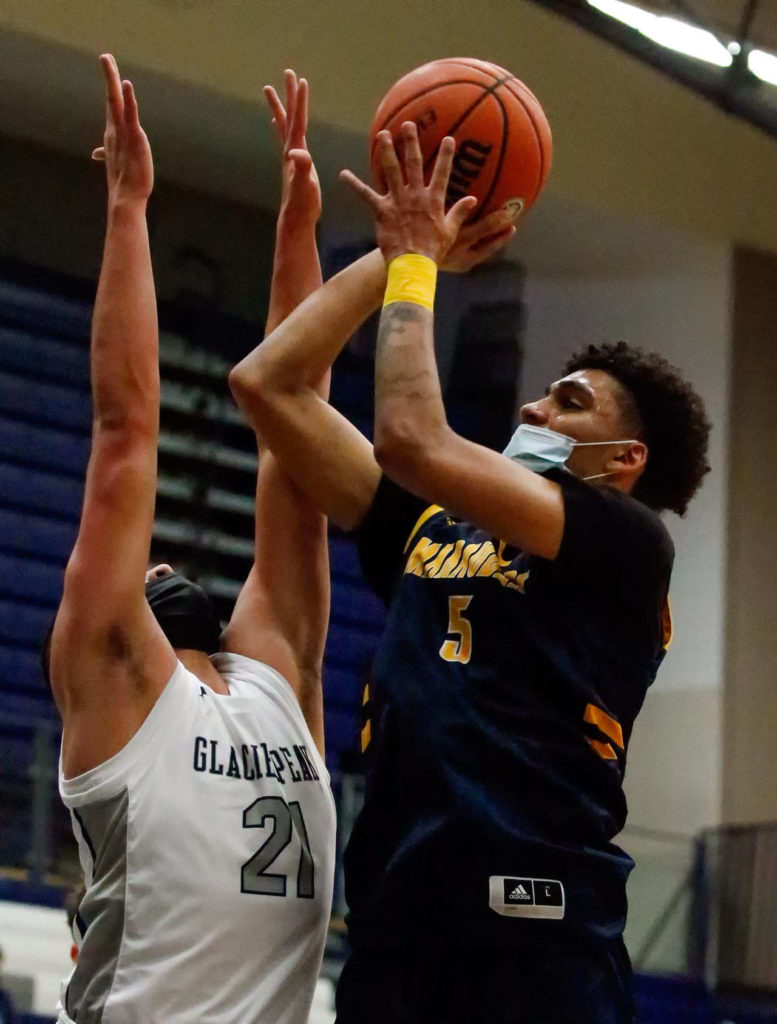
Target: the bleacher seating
(207, 464)
(204, 520)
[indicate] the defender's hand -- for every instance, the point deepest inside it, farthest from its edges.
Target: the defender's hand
(301, 191)
(411, 216)
(125, 150)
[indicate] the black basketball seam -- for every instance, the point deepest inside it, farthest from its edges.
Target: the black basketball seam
(487, 90)
(463, 62)
(500, 161)
(490, 91)
(540, 148)
(433, 88)
(466, 62)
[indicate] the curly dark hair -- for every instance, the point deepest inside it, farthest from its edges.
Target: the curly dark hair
(670, 416)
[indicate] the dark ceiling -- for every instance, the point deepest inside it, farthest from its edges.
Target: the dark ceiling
(751, 23)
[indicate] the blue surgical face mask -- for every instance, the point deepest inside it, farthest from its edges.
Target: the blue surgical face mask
(540, 448)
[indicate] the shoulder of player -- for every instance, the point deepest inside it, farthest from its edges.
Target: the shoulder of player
(645, 522)
(393, 511)
(602, 516)
(616, 502)
(106, 668)
(97, 729)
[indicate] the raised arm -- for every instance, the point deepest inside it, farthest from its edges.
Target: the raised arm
(109, 658)
(327, 456)
(282, 612)
(414, 444)
(276, 385)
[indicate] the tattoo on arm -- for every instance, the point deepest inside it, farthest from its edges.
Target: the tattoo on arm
(402, 359)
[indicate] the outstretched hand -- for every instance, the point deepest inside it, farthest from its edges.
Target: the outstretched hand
(301, 191)
(125, 150)
(411, 216)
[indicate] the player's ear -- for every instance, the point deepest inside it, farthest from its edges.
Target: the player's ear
(632, 459)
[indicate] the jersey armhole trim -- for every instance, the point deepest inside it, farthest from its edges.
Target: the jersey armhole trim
(110, 776)
(425, 515)
(667, 625)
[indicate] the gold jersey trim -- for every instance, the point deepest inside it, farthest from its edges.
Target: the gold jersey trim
(425, 515)
(667, 625)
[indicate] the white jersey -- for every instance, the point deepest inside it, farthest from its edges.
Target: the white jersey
(208, 847)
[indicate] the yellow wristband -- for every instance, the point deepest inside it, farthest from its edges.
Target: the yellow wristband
(411, 278)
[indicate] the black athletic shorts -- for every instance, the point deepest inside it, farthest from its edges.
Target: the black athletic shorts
(460, 986)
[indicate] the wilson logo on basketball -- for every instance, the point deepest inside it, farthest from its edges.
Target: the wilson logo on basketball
(425, 120)
(503, 142)
(470, 159)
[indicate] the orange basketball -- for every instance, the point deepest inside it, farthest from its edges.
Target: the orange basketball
(503, 141)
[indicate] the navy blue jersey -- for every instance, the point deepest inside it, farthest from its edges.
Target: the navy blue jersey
(498, 715)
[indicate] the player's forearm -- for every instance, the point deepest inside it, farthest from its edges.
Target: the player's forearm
(410, 417)
(304, 592)
(124, 349)
(296, 273)
(296, 268)
(296, 355)
(304, 596)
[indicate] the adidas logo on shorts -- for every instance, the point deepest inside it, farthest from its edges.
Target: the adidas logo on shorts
(526, 897)
(517, 894)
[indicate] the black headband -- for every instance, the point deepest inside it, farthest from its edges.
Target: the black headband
(185, 613)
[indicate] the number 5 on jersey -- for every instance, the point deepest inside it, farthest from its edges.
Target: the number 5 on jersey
(458, 646)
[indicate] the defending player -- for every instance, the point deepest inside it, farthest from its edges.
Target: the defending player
(197, 786)
(527, 618)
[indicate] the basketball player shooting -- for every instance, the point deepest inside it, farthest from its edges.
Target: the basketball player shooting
(197, 788)
(527, 617)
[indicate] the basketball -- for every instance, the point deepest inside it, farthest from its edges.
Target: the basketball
(503, 141)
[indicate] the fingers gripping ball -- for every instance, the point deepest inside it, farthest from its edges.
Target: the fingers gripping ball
(503, 140)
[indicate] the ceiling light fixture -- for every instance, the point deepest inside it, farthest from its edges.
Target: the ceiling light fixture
(670, 32)
(763, 65)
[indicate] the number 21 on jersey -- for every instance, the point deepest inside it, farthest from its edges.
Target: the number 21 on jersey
(284, 821)
(458, 645)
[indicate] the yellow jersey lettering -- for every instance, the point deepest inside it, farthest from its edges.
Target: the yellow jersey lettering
(433, 567)
(520, 580)
(459, 559)
(501, 554)
(490, 564)
(448, 569)
(462, 569)
(421, 553)
(477, 558)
